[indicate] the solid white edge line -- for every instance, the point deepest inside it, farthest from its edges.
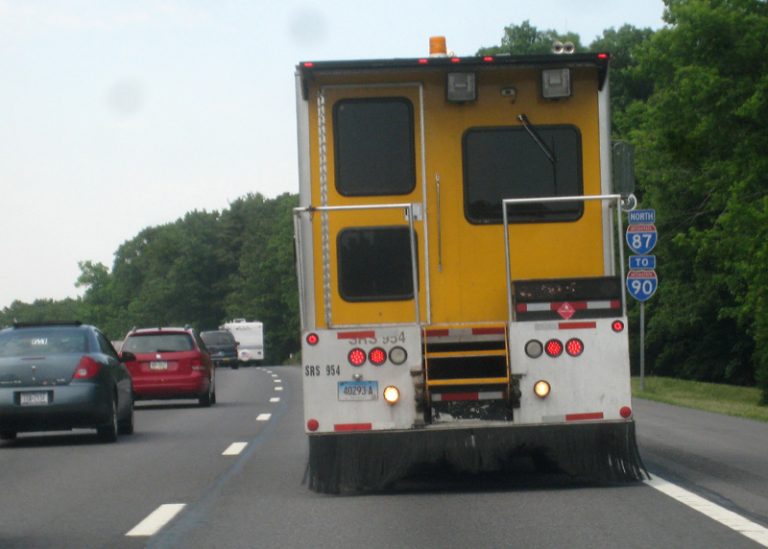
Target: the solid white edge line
(732, 520)
(274, 399)
(156, 520)
(263, 417)
(234, 449)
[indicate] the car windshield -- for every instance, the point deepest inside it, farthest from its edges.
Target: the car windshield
(158, 343)
(42, 342)
(218, 338)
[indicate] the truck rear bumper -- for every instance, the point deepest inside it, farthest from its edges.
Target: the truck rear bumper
(365, 461)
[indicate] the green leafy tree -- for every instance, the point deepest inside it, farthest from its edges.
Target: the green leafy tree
(701, 161)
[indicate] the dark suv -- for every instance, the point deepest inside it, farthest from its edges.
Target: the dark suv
(170, 363)
(222, 346)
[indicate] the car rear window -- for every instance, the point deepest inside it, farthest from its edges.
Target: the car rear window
(158, 343)
(218, 338)
(42, 342)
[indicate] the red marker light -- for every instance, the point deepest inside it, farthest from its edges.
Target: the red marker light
(617, 326)
(313, 425)
(554, 348)
(455, 60)
(488, 59)
(356, 357)
(602, 56)
(574, 347)
(309, 64)
(423, 61)
(313, 339)
(626, 412)
(377, 356)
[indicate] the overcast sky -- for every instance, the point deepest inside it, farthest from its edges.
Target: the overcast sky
(117, 115)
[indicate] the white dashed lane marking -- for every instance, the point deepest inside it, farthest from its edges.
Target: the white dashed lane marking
(156, 520)
(725, 517)
(278, 388)
(235, 449)
(274, 399)
(263, 417)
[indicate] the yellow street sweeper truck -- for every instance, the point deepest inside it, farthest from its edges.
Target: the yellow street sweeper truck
(460, 268)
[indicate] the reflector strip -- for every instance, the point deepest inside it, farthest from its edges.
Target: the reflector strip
(356, 335)
(576, 325)
(481, 395)
(487, 331)
(584, 417)
(437, 333)
(578, 305)
(353, 427)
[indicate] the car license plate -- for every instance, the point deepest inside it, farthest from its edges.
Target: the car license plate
(358, 390)
(33, 399)
(158, 365)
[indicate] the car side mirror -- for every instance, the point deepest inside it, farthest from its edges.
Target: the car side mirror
(127, 356)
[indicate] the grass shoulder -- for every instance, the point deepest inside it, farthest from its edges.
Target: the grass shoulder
(711, 397)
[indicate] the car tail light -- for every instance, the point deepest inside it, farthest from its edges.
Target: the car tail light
(554, 347)
(574, 347)
(197, 364)
(356, 357)
(86, 368)
(377, 356)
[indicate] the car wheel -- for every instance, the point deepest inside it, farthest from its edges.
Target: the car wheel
(108, 432)
(7, 435)
(125, 426)
(209, 397)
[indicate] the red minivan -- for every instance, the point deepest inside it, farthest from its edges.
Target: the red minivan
(170, 363)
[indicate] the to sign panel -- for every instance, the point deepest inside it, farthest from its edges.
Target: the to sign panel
(642, 262)
(642, 284)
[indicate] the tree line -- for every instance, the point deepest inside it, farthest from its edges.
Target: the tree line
(693, 99)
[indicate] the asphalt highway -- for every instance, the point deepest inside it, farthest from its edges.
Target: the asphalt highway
(232, 476)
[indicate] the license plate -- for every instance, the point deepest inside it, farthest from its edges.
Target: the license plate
(33, 399)
(158, 365)
(358, 390)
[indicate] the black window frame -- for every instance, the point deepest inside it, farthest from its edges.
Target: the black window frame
(346, 296)
(340, 152)
(533, 213)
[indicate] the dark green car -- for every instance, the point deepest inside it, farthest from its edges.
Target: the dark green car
(61, 376)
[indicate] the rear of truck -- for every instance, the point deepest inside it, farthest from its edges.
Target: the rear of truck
(461, 300)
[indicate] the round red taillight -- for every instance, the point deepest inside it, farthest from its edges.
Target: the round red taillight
(618, 326)
(313, 339)
(574, 347)
(356, 357)
(626, 412)
(377, 356)
(554, 347)
(313, 425)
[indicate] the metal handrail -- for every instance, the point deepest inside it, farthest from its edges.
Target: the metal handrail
(602, 197)
(408, 207)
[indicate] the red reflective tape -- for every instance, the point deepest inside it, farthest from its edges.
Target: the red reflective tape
(522, 307)
(356, 335)
(576, 325)
(584, 417)
(615, 304)
(353, 427)
(437, 333)
(487, 331)
(458, 396)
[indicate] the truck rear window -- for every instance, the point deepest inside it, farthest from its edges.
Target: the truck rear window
(375, 264)
(506, 162)
(373, 142)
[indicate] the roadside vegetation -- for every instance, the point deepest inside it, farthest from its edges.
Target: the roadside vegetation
(712, 397)
(693, 99)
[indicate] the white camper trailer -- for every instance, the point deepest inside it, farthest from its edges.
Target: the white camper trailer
(250, 336)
